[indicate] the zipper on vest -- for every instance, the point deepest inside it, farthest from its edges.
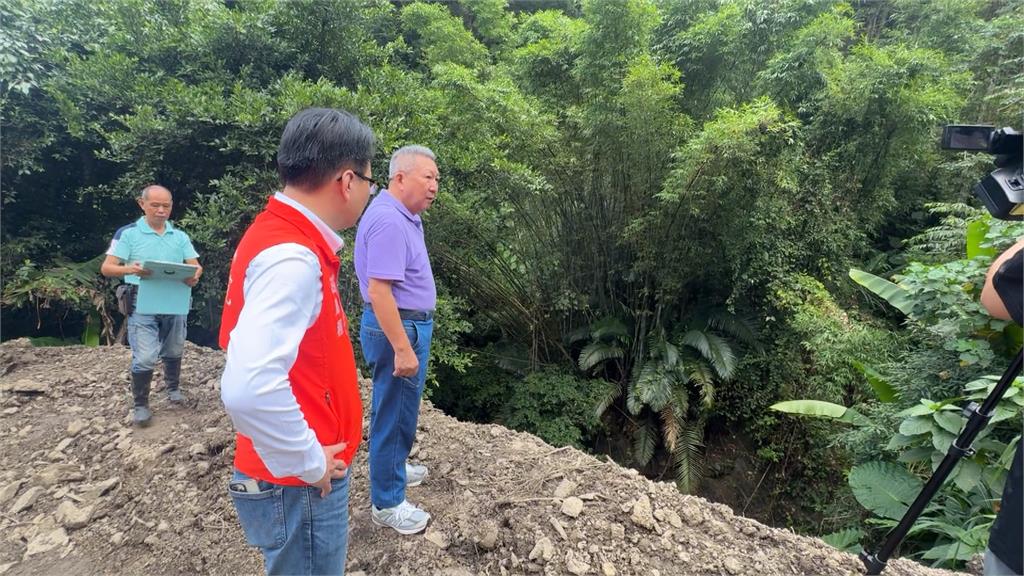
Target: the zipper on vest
(327, 396)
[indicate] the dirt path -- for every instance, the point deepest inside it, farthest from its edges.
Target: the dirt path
(82, 492)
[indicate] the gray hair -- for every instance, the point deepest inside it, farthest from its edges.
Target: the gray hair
(144, 194)
(399, 160)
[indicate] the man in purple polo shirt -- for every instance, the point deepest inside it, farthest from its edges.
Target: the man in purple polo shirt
(397, 286)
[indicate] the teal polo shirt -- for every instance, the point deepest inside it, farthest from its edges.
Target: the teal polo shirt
(137, 242)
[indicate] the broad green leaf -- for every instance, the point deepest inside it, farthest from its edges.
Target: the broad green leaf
(891, 293)
(821, 409)
(91, 335)
(883, 390)
(989, 445)
(968, 474)
(918, 454)
(916, 425)
(994, 478)
(979, 384)
(899, 441)
(885, 488)
(851, 416)
(942, 440)
(976, 231)
(922, 408)
(953, 551)
(1004, 412)
(1007, 455)
(949, 421)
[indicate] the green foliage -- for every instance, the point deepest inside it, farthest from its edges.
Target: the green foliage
(441, 36)
(846, 540)
(477, 394)
(726, 44)
(611, 170)
(946, 307)
(21, 48)
(555, 406)
(820, 409)
(884, 488)
(65, 287)
(795, 74)
(832, 342)
(954, 527)
(891, 293)
(671, 389)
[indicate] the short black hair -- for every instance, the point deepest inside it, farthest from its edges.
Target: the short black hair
(319, 141)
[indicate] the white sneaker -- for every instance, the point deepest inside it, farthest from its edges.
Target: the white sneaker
(405, 518)
(414, 474)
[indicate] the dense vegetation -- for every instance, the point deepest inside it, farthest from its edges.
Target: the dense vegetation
(648, 217)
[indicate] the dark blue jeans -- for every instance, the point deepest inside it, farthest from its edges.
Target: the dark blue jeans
(395, 406)
(298, 531)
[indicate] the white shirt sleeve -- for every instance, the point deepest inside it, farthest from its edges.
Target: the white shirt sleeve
(282, 300)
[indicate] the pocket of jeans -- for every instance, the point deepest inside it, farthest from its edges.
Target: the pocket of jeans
(412, 332)
(261, 515)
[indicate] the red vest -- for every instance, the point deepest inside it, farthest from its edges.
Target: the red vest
(324, 378)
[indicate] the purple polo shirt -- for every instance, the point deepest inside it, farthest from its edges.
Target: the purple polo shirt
(390, 246)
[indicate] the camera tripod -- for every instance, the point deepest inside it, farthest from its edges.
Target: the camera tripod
(977, 419)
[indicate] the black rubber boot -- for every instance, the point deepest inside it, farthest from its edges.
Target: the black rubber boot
(172, 379)
(140, 394)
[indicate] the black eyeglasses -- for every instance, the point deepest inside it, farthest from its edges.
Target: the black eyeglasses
(374, 185)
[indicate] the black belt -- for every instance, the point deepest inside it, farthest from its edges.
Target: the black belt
(416, 315)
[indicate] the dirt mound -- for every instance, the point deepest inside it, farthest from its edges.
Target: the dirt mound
(81, 491)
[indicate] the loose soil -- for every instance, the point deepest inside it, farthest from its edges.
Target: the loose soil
(83, 492)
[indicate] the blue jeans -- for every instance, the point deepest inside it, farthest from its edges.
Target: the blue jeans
(995, 567)
(155, 336)
(298, 531)
(395, 406)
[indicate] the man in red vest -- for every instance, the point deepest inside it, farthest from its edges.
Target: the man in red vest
(290, 383)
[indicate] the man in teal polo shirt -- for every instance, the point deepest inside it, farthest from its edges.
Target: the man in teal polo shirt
(151, 237)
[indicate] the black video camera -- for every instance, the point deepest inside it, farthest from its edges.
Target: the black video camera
(1002, 191)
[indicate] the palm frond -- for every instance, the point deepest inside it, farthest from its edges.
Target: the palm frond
(511, 357)
(610, 328)
(633, 401)
(669, 427)
(702, 376)
(597, 352)
(723, 359)
(740, 328)
(644, 439)
(707, 396)
(653, 388)
(612, 391)
(681, 401)
(672, 355)
(700, 372)
(698, 340)
(578, 335)
(688, 459)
